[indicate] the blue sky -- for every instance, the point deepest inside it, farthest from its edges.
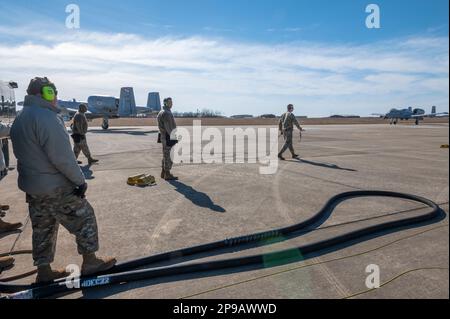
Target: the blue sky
(247, 56)
(252, 20)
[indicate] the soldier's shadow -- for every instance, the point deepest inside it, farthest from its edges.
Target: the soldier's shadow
(326, 165)
(129, 131)
(13, 232)
(198, 198)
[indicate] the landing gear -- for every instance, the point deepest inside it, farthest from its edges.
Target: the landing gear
(417, 121)
(394, 121)
(105, 124)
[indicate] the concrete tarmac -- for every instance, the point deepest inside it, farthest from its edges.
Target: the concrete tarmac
(216, 201)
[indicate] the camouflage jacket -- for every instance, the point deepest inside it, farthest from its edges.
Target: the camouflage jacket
(166, 121)
(80, 124)
(45, 160)
(287, 122)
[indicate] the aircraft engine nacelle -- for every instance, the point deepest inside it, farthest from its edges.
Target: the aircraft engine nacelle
(418, 111)
(103, 104)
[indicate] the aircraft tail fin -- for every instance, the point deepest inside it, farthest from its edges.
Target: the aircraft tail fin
(154, 101)
(433, 109)
(127, 103)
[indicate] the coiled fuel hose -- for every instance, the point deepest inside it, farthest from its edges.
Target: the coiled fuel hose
(129, 271)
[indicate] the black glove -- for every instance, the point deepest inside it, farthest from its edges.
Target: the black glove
(80, 191)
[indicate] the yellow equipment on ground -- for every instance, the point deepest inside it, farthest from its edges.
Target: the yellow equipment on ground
(141, 180)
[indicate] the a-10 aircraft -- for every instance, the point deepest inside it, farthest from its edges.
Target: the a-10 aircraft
(108, 107)
(407, 114)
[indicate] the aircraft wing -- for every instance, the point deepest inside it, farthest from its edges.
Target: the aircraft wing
(378, 114)
(430, 115)
(71, 112)
(67, 113)
(145, 110)
(91, 116)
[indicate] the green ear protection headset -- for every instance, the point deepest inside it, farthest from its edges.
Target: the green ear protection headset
(49, 93)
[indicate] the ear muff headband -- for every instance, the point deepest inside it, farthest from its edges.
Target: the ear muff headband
(48, 93)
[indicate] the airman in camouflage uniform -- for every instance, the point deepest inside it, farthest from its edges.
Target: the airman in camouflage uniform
(166, 124)
(286, 126)
(79, 130)
(65, 208)
(54, 184)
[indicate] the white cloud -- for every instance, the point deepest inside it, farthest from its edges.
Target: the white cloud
(233, 77)
(293, 29)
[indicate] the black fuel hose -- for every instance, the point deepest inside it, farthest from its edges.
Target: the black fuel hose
(126, 272)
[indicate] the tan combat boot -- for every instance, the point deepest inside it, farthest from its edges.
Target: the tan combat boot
(47, 274)
(93, 264)
(6, 262)
(8, 227)
(169, 177)
(4, 207)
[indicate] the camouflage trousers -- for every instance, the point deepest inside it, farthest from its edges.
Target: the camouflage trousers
(166, 161)
(287, 134)
(82, 147)
(72, 212)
